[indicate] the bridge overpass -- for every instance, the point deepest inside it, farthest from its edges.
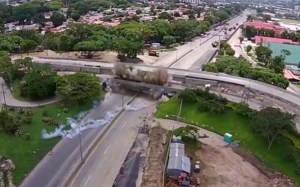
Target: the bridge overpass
(180, 75)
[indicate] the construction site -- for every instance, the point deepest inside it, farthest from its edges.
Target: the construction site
(170, 162)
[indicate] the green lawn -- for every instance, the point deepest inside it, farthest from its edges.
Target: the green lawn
(240, 128)
(27, 153)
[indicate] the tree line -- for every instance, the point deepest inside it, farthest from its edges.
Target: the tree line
(38, 81)
(241, 67)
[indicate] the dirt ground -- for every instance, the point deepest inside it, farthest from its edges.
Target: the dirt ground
(154, 165)
(223, 167)
(105, 56)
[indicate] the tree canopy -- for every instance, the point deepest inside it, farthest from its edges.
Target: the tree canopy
(272, 122)
(78, 87)
(241, 67)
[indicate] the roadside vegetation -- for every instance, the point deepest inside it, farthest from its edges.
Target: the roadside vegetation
(241, 67)
(276, 143)
(127, 39)
(22, 129)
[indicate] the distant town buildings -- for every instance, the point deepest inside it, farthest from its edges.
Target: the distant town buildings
(192, 1)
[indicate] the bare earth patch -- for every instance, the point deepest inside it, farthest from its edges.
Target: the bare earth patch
(154, 165)
(223, 167)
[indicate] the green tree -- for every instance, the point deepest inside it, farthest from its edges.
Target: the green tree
(28, 45)
(277, 64)
(164, 15)
(39, 83)
(57, 19)
(263, 54)
(88, 48)
(78, 87)
(298, 65)
(168, 40)
(248, 48)
(66, 42)
(127, 48)
(272, 122)
(9, 123)
(75, 16)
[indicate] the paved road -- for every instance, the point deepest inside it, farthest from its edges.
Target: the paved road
(203, 47)
(255, 85)
(102, 167)
(7, 98)
(53, 169)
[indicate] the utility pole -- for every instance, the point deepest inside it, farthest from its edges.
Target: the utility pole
(3, 92)
(80, 146)
(122, 102)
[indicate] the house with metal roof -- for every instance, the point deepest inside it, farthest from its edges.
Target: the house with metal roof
(178, 162)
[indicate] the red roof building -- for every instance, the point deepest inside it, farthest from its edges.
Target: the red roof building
(290, 76)
(262, 39)
(266, 25)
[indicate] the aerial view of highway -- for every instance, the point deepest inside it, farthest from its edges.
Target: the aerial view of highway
(142, 94)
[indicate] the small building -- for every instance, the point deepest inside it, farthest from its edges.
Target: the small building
(265, 25)
(288, 74)
(262, 39)
(178, 162)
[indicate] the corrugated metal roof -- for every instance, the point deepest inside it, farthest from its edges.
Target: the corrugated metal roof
(176, 150)
(180, 163)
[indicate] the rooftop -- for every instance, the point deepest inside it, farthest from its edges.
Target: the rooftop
(289, 75)
(263, 39)
(265, 25)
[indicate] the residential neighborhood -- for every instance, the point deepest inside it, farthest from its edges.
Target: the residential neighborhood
(136, 93)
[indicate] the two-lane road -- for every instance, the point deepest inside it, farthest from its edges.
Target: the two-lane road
(102, 167)
(53, 169)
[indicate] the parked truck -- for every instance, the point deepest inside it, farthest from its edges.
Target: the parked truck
(153, 53)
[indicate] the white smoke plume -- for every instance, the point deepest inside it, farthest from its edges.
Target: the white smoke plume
(74, 127)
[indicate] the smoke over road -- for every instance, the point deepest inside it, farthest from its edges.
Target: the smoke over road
(76, 125)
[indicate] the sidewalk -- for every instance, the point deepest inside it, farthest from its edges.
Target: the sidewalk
(6, 97)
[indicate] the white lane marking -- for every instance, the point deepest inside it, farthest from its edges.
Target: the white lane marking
(106, 149)
(124, 125)
(86, 182)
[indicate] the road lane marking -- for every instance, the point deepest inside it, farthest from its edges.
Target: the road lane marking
(106, 149)
(86, 182)
(124, 125)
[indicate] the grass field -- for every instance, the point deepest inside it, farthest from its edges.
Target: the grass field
(27, 153)
(290, 21)
(240, 128)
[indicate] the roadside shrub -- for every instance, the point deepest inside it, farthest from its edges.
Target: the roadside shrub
(241, 67)
(243, 109)
(45, 113)
(26, 120)
(290, 153)
(188, 95)
(297, 171)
